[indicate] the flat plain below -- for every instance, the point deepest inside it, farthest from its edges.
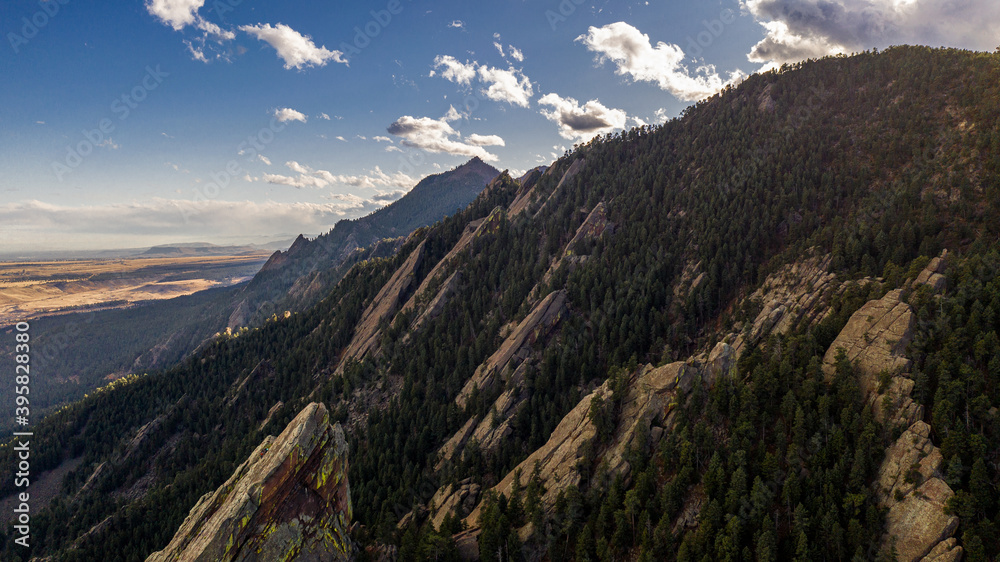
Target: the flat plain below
(40, 288)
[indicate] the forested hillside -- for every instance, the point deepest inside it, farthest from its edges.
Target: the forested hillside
(663, 305)
(83, 349)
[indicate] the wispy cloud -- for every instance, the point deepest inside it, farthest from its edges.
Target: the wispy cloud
(179, 14)
(38, 225)
(457, 24)
(633, 54)
(307, 177)
(508, 85)
(297, 50)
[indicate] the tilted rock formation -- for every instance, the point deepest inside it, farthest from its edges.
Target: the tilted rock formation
(289, 501)
(592, 228)
(875, 340)
(536, 325)
(798, 292)
(385, 304)
(527, 190)
(909, 483)
(458, 499)
(569, 174)
(434, 308)
(472, 231)
(646, 409)
(933, 274)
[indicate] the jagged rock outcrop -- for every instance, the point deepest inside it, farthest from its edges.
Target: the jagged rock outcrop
(289, 500)
(910, 482)
(798, 292)
(875, 340)
(457, 499)
(536, 325)
(385, 304)
(646, 412)
(472, 231)
(527, 190)
(593, 227)
(568, 175)
(434, 308)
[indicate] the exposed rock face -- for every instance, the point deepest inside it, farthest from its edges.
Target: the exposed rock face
(933, 274)
(646, 412)
(459, 499)
(875, 340)
(524, 195)
(289, 500)
(434, 308)
(536, 325)
(945, 551)
(592, 228)
(909, 483)
(240, 316)
(797, 293)
(570, 173)
(385, 304)
(472, 231)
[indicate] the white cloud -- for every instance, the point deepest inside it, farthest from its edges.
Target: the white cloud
(264, 159)
(499, 48)
(109, 143)
(437, 135)
(295, 49)
(286, 114)
(340, 138)
(176, 13)
(324, 116)
(393, 148)
(582, 123)
(484, 140)
(799, 29)
(510, 85)
(457, 24)
(663, 65)
(215, 31)
(661, 115)
(381, 138)
(37, 225)
(515, 53)
(309, 178)
(197, 53)
(179, 14)
(451, 69)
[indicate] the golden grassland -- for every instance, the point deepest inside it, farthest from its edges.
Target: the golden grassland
(32, 289)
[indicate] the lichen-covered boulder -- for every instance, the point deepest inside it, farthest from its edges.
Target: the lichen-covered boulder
(289, 501)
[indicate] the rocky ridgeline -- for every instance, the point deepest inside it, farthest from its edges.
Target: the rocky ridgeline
(799, 292)
(646, 415)
(290, 500)
(874, 340)
(517, 346)
(385, 304)
(910, 481)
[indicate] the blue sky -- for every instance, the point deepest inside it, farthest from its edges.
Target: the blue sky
(127, 124)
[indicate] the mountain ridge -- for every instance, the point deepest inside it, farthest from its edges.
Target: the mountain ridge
(688, 345)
